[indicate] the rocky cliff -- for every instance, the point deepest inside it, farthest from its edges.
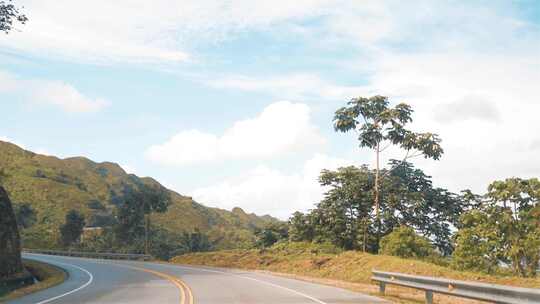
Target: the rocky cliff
(10, 246)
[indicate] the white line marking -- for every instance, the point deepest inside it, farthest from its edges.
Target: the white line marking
(74, 290)
(260, 281)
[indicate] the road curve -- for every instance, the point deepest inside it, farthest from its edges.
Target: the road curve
(106, 281)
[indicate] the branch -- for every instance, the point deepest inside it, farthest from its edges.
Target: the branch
(364, 138)
(407, 156)
(386, 147)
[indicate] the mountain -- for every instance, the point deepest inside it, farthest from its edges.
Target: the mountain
(53, 186)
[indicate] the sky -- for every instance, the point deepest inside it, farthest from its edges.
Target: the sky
(232, 102)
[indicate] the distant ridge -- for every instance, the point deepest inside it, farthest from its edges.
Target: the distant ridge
(53, 186)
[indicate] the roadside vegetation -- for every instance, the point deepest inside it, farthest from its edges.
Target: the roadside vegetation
(327, 264)
(397, 210)
(46, 275)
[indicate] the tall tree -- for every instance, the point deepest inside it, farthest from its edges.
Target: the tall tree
(72, 229)
(409, 199)
(10, 14)
(380, 126)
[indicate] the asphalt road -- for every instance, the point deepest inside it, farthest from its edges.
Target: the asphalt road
(106, 281)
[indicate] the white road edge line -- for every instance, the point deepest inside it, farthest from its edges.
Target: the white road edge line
(74, 290)
(260, 281)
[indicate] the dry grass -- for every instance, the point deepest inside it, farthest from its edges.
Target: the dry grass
(46, 274)
(350, 270)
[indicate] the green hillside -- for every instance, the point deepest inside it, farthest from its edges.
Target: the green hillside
(53, 186)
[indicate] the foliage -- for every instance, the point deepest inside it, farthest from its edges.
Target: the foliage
(301, 227)
(309, 259)
(72, 229)
(271, 234)
(380, 126)
(504, 229)
(345, 215)
(25, 215)
(53, 186)
(10, 14)
(196, 242)
(404, 242)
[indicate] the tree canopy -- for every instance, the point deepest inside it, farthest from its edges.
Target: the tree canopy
(505, 228)
(9, 15)
(380, 126)
(72, 229)
(345, 214)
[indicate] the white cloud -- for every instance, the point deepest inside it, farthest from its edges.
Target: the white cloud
(65, 96)
(455, 94)
(295, 86)
(50, 93)
(160, 31)
(265, 190)
(167, 31)
(282, 127)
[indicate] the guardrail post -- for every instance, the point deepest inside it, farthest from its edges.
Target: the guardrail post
(382, 287)
(429, 297)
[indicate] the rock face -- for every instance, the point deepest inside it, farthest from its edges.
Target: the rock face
(10, 244)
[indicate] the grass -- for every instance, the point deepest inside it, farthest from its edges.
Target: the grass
(46, 274)
(53, 186)
(349, 269)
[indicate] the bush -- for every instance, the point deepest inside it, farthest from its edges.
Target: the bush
(404, 242)
(290, 248)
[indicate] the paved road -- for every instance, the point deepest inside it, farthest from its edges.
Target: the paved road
(105, 281)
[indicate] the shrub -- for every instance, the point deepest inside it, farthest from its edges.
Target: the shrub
(290, 248)
(404, 242)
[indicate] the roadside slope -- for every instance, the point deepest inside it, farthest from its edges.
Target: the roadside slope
(348, 269)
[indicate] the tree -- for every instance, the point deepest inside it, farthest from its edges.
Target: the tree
(72, 229)
(504, 229)
(378, 127)
(346, 206)
(133, 214)
(271, 234)
(301, 227)
(404, 242)
(25, 215)
(196, 241)
(9, 14)
(410, 199)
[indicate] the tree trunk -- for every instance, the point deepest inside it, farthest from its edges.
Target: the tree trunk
(146, 228)
(364, 245)
(377, 206)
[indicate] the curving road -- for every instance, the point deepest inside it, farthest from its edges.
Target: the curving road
(106, 281)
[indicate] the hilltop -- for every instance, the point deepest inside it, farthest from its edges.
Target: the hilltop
(53, 186)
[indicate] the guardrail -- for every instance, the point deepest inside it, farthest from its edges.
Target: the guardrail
(470, 290)
(93, 255)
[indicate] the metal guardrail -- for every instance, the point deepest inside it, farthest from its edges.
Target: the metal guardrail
(93, 255)
(470, 290)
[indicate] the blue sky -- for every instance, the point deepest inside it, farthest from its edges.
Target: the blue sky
(232, 101)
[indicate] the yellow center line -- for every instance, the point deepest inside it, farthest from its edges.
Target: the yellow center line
(181, 285)
(188, 290)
